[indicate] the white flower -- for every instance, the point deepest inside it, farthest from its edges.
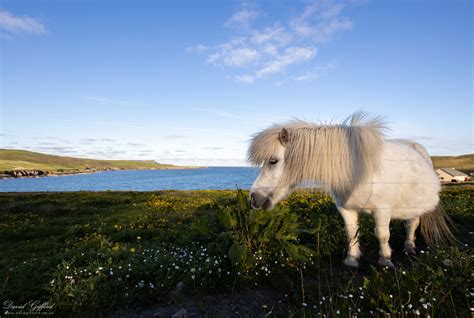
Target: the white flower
(448, 262)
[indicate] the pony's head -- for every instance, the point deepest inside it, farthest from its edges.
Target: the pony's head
(339, 156)
(269, 188)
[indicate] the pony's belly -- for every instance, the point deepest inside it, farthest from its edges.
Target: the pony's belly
(407, 185)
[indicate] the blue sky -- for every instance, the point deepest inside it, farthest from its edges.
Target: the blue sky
(188, 82)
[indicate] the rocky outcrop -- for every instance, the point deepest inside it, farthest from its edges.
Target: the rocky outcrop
(26, 173)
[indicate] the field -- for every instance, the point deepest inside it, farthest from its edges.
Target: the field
(464, 163)
(28, 160)
(140, 254)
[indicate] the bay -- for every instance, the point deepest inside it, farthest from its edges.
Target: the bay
(212, 178)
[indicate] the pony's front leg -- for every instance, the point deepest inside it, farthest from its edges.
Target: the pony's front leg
(410, 226)
(351, 221)
(382, 232)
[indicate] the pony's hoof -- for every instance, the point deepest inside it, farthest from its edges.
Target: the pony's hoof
(351, 261)
(386, 262)
(409, 249)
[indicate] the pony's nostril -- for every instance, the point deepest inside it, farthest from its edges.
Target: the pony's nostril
(252, 199)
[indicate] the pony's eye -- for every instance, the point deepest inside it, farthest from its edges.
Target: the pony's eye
(273, 161)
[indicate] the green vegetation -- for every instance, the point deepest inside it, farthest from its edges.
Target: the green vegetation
(106, 252)
(26, 160)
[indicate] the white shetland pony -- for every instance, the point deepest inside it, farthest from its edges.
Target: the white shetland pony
(390, 179)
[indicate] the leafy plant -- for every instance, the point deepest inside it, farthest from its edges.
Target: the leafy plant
(257, 234)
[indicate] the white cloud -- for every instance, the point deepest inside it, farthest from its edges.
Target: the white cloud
(245, 78)
(240, 56)
(320, 21)
(199, 48)
(242, 18)
(255, 53)
(20, 24)
(105, 101)
(316, 72)
(292, 55)
(271, 35)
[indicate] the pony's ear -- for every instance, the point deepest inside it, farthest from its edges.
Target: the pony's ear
(284, 136)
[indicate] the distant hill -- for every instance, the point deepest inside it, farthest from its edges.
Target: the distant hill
(464, 163)
(11, 160)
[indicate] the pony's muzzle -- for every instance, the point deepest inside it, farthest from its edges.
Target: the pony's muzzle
(258, 201)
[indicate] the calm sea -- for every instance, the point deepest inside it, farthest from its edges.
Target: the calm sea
(139, 180)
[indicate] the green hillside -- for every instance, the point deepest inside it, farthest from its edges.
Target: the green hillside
(464, 162)
(27, 160)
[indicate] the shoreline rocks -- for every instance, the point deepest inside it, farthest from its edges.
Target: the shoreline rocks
(33, 173)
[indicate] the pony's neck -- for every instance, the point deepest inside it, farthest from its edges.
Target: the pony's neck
(338, 156)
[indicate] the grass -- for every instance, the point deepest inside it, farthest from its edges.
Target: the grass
(464, 163)
(109, 252)
(27, 160)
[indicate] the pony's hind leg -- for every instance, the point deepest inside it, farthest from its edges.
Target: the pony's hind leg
(382, 232)
(351, 221)
(410, 227)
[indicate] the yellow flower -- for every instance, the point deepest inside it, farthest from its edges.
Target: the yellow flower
(132, 250)
(139, 238)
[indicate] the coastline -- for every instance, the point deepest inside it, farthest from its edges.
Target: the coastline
(32, 173)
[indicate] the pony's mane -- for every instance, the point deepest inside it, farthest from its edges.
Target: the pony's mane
(339, 155)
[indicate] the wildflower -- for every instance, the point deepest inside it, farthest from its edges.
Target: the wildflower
(305, 304)
(132, 250)
(448, 262)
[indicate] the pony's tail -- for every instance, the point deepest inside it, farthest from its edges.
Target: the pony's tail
(435, 227)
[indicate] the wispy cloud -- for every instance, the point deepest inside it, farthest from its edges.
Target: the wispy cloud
(213, 148)
(103, 101)
(255, 53)
(266, 120)
(242, 18)
(173, 137)
(321, 20)
(20, 24)
(316, 72)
